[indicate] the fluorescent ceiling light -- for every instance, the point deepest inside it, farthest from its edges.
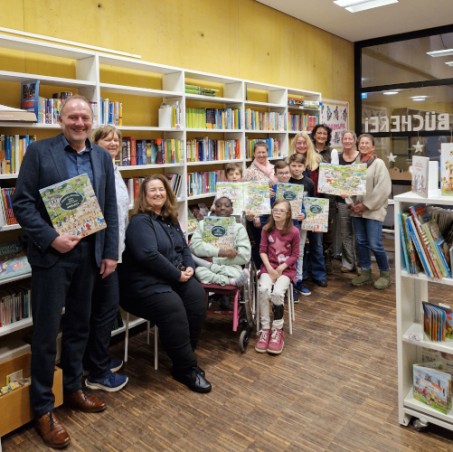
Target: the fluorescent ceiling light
(440, 53)
(419, 98)
(449, 63)
(389, 93)
(354, 6)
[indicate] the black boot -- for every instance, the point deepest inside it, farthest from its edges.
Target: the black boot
(193, 378)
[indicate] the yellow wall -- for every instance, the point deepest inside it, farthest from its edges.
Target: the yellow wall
(238, 38)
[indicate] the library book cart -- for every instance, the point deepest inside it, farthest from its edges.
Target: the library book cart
(412, 342)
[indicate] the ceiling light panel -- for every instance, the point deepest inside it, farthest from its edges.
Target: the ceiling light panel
(355, 6)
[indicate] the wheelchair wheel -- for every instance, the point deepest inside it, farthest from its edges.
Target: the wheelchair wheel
(244, 340)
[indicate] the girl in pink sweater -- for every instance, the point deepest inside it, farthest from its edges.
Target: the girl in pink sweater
(279, 251)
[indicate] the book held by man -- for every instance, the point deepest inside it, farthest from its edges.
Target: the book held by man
(73, 207)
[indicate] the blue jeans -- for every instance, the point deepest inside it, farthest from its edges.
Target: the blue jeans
(368, 234)
(316, 257)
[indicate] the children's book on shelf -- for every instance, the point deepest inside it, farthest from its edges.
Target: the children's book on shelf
(192, 222)
(432, 385)
(446, 168)
(29, 92)
(342, 179)
(418, 245)
(219, 231)
(73, 207)
(316, 214)
(432, 240)
(437, 321)
(294, 193)
(13, 260)
(412, 261)
(420, 175)
(250, 196)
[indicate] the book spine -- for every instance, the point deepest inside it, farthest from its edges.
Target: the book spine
(418, 246)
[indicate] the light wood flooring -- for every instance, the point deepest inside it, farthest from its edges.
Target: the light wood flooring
(334, 388)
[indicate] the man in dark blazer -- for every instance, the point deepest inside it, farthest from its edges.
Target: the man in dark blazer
(64, 267)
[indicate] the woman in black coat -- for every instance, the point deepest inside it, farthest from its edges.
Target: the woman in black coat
(157, 279)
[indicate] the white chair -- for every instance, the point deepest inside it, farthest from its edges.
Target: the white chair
(289, 299)
(148, 329)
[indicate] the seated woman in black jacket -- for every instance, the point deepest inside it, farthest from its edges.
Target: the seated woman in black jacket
(157, 279)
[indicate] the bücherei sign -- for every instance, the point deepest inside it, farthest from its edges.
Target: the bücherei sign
(407, 123)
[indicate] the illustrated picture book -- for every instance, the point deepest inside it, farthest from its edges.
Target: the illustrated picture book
(73, 207)
(446, 169)
(432, 386)
(250, 196)
(294, 193)
(420, 175)
(316, 214)
(340, 180)
(13, 260)
(219, 231)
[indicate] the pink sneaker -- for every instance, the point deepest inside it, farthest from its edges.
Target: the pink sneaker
(263, 341)
(276, 342)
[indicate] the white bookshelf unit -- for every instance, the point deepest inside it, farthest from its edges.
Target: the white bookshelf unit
(411, 291)
(142, 88)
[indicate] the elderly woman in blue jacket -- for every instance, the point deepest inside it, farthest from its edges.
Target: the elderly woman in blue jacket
(157, 279)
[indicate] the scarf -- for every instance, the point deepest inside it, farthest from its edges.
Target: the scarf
(267, 169)
(369, 161)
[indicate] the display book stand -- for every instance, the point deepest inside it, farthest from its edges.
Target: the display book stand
(411, 291)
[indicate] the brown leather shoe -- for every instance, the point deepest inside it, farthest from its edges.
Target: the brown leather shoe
(52, 431)
(84, 402)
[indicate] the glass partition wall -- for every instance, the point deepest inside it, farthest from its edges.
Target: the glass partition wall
(404, 97)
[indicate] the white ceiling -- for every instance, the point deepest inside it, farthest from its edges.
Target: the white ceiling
(405, 16)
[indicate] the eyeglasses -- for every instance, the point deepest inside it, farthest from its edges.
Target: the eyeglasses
(279, 210)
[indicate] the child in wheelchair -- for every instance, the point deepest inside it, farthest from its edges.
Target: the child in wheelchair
(222, 266)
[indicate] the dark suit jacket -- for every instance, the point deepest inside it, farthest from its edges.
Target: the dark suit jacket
(44, 164)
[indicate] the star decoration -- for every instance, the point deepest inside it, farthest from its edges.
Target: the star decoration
(392, 157)
(418, 147)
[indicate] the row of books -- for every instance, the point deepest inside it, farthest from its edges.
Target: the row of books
(423, 246)
(203, 91)
(213, 118)
(110, 112)
(437, 321)
(273, 147)
(150, 152)
(12, 151)
(7, 216)
(14, 304)
(302, 122)
(298, 102)
(199, 183)
(259, 120)
(205, 149)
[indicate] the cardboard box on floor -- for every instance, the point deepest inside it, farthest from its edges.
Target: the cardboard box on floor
(15, 406)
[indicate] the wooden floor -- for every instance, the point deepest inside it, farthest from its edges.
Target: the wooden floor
(334, 388)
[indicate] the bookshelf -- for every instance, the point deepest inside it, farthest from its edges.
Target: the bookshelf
(141, 88)
(411, 291)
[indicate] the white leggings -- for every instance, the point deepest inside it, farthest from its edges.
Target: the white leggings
(274, 293)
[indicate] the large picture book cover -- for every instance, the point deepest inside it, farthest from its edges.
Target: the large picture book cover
(294, 193)
(73, 207)
(446, 168)
(29, 99)
(250, 196)
(347, 180)
(432, 386)
(316, 214)
(420, 175)
(13, 261)
(219, 231)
